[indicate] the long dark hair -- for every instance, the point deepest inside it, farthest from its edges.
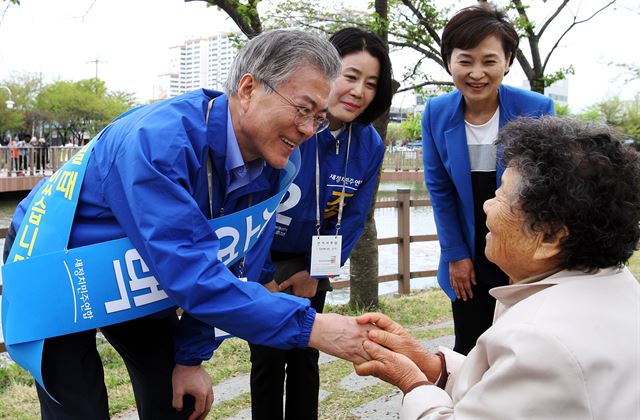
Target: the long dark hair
(353, 40)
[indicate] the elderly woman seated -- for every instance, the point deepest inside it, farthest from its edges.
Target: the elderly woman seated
(565, 341)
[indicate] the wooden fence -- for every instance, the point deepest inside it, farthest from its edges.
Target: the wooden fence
(404, 239)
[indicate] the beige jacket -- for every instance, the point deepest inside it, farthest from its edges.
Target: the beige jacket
(567, 347)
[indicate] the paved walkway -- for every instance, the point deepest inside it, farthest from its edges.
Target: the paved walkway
(383, 408)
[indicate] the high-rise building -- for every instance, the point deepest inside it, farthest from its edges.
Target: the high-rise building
(200, 62)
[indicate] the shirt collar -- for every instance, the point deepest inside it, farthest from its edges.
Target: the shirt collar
(514, 293)
(238, 173)
(233, 158)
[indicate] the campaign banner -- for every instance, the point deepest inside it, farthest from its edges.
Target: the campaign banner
(62, 291)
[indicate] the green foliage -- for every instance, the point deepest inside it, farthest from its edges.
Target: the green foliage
(14, 374)
(412, 127)
(562, 110)
(73, 110)
(558, 75)
(80, 109)
(422, 308)
(634, 265)
(417, 24)
(622, 115)
(410, 25)
(24, 89)
(395, 134)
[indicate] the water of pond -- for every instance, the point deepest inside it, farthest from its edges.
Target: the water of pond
(424, 255)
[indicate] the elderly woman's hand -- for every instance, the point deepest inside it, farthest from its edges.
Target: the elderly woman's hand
(394, 337)
(391, 367)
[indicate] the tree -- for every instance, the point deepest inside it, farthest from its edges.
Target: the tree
(78, 110)
(416, 25)
(395, 134)
(622, 115)
(412, 127)
(19, 121)
(363, 290)
(244, 14)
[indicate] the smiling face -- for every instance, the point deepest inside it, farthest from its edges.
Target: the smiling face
(264, 122)
(478, 72)
(354, 89)
(510, 244)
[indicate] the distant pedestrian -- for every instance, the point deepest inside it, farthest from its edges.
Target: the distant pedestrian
(15, 155)
(44, 153)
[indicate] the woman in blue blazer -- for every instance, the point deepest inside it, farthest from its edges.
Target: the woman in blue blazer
(461, 163)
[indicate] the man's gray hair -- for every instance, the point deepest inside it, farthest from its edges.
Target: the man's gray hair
(274, 56)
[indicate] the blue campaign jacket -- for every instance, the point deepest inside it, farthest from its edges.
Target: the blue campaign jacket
(447, 170)
(147, 180)
(296, 220)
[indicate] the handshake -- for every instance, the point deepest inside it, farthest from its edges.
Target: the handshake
(380, 347)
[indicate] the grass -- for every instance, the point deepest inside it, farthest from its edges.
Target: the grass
(18, 398)
(634, 265)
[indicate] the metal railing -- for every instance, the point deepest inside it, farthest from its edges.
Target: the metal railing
(31, 161)
(404, 239)
(409, 160)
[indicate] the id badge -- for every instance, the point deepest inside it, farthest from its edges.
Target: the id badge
(325, 255)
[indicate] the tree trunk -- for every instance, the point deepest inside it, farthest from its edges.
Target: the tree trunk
(364, 264)
(537, 85)
(364, 257)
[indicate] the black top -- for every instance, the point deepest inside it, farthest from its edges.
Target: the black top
(484, 187)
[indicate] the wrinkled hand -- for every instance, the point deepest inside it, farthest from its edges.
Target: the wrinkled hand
(340, 336)
(272, 286)
(394, 337)
(394, 368)
(462, 276)
(301, 283)
(195, 381)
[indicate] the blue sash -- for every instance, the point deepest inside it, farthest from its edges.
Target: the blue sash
(50, 290)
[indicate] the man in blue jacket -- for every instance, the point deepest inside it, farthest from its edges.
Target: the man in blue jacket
(147, 179)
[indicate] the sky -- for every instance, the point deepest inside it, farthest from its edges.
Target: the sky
(62, 39)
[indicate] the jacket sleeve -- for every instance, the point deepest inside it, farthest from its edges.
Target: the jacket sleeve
(530, 371)
(442, 194)
(355, 214)
(550, 108)
(148, 189)
(194, 341)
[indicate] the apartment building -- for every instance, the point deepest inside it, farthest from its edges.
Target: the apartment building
(198, 62)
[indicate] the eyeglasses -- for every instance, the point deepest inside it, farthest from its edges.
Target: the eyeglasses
(303, 114)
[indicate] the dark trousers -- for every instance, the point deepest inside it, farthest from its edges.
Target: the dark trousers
(472, 318)
(73, 372)
(268, 368)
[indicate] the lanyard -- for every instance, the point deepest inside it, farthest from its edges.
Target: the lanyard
(344, 184)
(210, 184)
